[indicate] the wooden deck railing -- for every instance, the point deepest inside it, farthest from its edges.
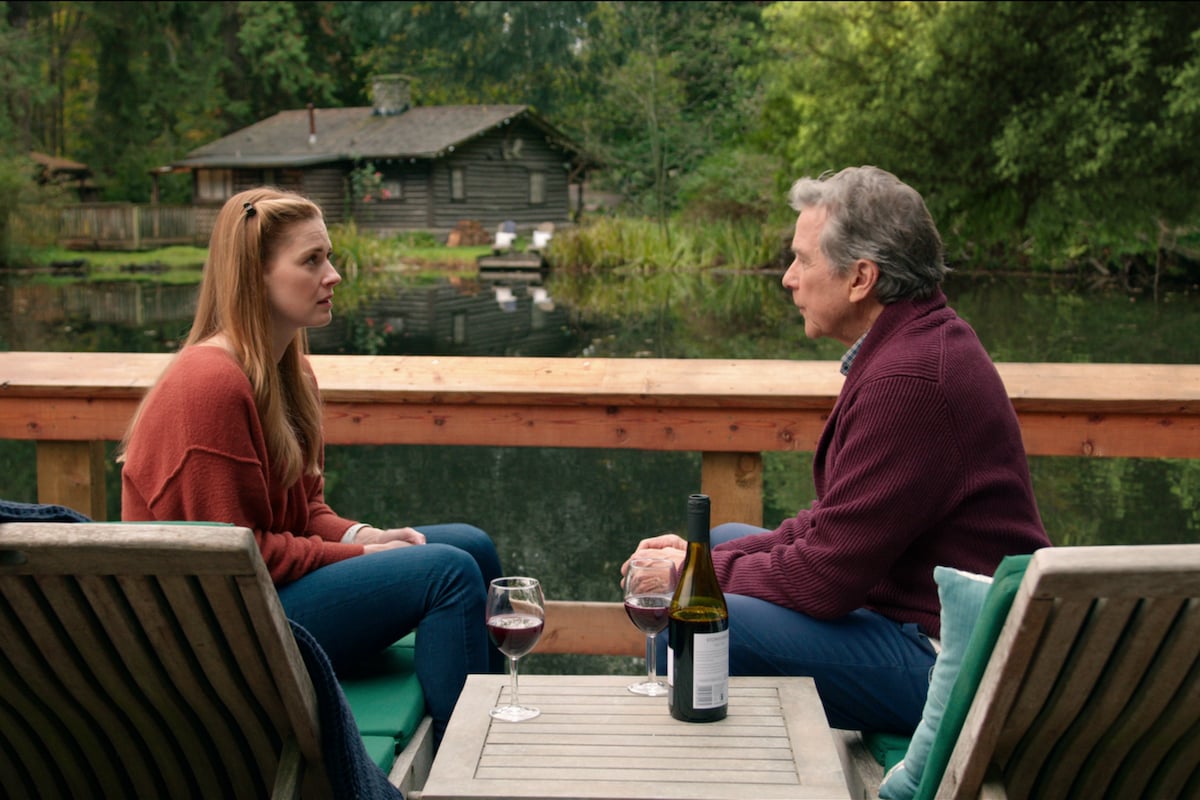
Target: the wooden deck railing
(730, 411)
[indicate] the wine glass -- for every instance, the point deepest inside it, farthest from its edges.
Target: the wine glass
(649, 585)
(515, 617)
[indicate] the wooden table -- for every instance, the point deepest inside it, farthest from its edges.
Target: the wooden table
(596, 740)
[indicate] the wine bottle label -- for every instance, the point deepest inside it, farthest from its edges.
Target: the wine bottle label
(710, 679)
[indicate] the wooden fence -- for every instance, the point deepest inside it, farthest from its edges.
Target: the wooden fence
(129, 226)
(730, 411)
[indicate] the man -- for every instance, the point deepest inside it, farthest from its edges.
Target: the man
(920, 464)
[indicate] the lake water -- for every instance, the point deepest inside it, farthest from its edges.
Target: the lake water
(570, 517)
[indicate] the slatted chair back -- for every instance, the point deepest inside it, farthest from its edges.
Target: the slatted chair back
(149, 661)
(1093, 688)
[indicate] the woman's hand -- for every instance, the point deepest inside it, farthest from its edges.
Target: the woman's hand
(375, 540)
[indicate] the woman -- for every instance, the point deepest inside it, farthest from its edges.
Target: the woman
(231, 432)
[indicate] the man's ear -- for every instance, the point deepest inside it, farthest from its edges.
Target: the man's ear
(864, 274)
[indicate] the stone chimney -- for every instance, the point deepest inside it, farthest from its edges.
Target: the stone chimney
(390, 94)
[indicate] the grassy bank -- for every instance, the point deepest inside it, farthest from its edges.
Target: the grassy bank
(416, 256)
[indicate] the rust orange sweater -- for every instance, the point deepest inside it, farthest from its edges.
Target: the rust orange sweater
(199, 454)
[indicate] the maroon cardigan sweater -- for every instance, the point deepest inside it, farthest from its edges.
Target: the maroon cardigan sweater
(920, 464)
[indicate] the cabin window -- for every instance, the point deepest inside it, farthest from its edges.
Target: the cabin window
(458, 330)
(537, 188)
(391, 189)
(458, 184)
(214, 185)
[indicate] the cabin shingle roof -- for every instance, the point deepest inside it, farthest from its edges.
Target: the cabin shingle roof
(359, 133)
(57, 163)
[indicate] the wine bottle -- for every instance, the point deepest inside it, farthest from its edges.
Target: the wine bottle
(698, 644)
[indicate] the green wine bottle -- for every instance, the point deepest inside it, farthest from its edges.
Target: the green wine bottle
(698, 644)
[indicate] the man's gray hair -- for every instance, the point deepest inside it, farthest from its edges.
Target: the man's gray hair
(872, 214)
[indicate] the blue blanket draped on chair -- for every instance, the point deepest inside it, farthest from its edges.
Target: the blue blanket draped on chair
(38, 512)
(351, 771)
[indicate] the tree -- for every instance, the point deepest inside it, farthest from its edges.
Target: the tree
(1060, 126)
(473, 52)
(58, 27)
(24, 95)
(275, 64)
(173, 75)
(666, 92)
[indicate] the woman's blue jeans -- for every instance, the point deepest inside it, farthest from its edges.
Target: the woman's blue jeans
(357, 607)
(872, 673)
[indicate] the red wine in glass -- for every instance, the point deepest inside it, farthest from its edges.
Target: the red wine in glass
(648, 611)
(649, 586)
(516, 634)
(516, 610)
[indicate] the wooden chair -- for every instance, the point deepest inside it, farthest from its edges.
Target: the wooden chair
(542, 235)
(139, 660)
(1090, 689)
(506, 235)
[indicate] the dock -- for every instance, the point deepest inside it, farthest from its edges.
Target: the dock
(522, 267)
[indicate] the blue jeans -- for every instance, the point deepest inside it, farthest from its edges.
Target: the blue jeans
(872, 673)
(357, 607)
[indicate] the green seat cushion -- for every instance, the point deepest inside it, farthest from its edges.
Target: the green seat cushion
(385, 696)
(887, 748)
(382, 750)
(978, 652)
(961, 595)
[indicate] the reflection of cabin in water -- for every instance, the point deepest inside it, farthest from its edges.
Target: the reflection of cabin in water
(441, 318)
(444, 319)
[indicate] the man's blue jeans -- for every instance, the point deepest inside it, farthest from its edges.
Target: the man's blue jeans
(872, 673)
(357, 607)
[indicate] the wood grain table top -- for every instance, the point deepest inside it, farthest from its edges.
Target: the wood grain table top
(595, 740)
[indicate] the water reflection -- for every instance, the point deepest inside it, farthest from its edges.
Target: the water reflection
(132, 316)
(471, 318)
(571, 516)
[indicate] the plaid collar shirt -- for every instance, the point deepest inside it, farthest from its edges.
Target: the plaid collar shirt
(848, 359)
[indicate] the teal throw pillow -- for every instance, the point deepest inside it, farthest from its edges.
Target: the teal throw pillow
(961, 594)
